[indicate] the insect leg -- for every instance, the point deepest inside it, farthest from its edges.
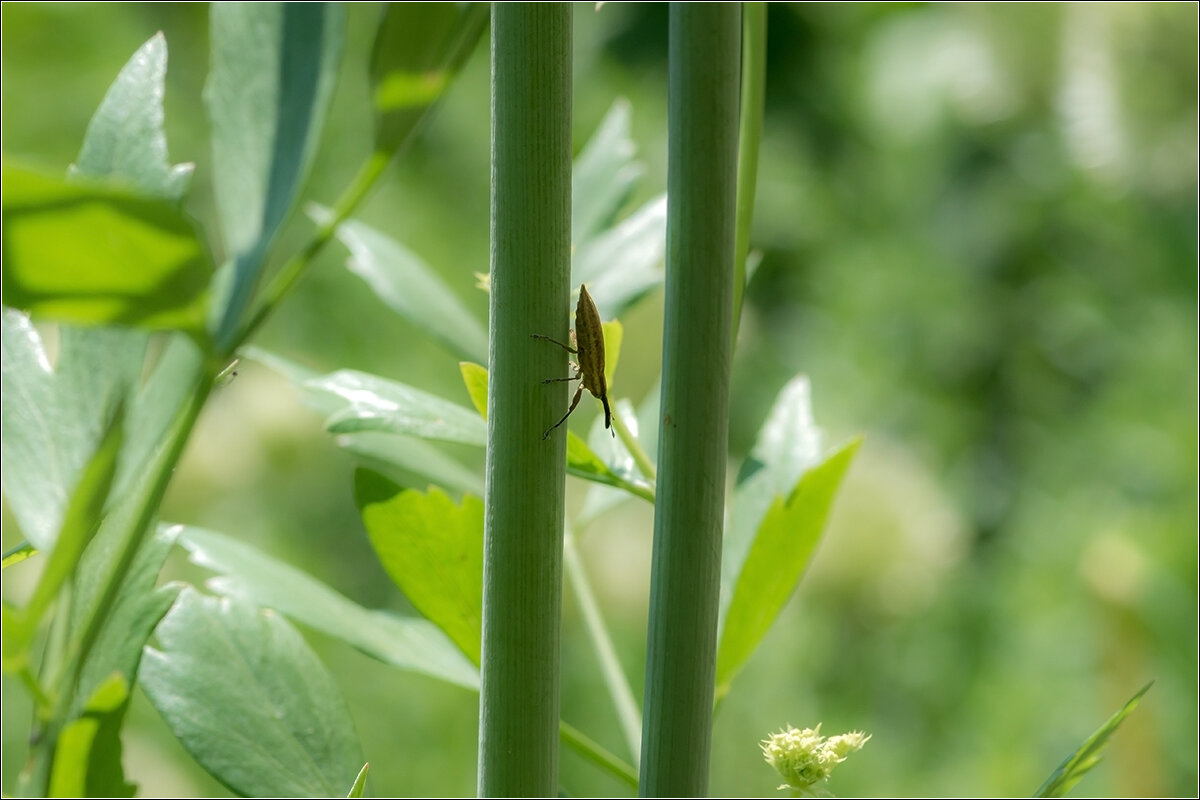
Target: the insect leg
(574, 402)
(556, 341)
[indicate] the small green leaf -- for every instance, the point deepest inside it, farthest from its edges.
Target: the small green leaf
(613, 334)
(1072, 770)
(95, 254)
(408, 286)
(360, 782)
(371, 403)
(82, 747)
(250, 701)
(405, 642)
(777, 559)
(475, 377)
(433, 551)
(604, 174)
(125, 140)
(418, 50)
(18, 553)
(582, 462)
(273, 69)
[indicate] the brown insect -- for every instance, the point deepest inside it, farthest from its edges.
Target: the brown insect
(589, 348)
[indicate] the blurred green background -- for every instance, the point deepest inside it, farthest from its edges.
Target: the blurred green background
(978, 226)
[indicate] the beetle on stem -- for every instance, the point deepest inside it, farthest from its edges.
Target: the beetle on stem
(589, 348)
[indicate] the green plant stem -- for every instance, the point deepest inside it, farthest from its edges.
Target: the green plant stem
(628, 713)
(526, 475)
(596, 754)
(750, 126)
(634, 447)
(287, 276)
(685, 573)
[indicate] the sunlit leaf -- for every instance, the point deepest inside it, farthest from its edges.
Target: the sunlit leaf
(245, 695)
(777, 559)
(93, 253)
(604, 174)
(475, 378)
(622, 264)
(433, 550)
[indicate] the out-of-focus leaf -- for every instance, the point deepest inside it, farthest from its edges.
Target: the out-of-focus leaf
(250, 701)
(418, 50)
(53, 418)
(94, 254)
(614, 332)
(409, 287)
(273, 70)
(582, 462)
(788, 443)
(432, 549)
(408, 643)
(604, 174)
(475, 378)
(1079, 763)
(360, 782)
(125, 138)
(371, 403)
(79, 524)
(778, 556)
(18, 553)
(624, 263)
(81, 746)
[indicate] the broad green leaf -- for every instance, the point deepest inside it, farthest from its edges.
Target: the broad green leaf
(273, 70)
(777, 559)
(788, 443)
(433, 550)
(250, 701)
(605, 173)
(408, 286)
(92, 253)
(407, 460)
(475, 378)
(405, 642)
(85, 745)
(53, 418)
(1079, 763)
(125, 138)
(371, 403)
(79, 524)
(418, 50)
(622, 264)
(360, 782)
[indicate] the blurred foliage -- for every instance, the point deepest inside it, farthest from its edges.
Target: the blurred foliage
(978, 226)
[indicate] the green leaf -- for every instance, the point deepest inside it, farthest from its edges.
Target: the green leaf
(125, 138)
(432, 549)
(614, 332)
(371, 403)
(604, 174)
(273, 70)
(418, 50)
(622, 265)
(1072, 770)
(777, 559)
(475, 378)
(18, 553)
(53, 418)
(405, 642)
(360, 782)
(79, 524)
(81, 746)
(94, 254)
(250, 701)
(788, 443)
(408, 286)
(582, 462)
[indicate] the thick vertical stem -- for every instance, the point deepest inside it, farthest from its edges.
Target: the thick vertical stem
(531, 244)
(685, 584)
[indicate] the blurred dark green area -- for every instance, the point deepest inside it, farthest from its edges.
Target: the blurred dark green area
(979, 236)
